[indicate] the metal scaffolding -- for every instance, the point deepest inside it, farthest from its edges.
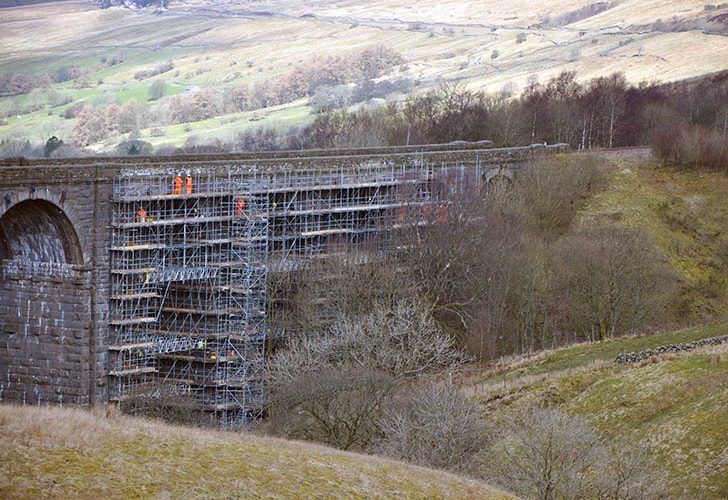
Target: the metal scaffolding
(189, 267)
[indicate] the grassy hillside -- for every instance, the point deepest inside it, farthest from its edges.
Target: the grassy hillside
(70, 453)
(685, 211)
(484, 44)
(675, 406)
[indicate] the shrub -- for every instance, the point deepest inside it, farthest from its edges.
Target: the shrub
(157, 90)
(56, 98)
(72, 111)
(327, 98)
(703, 147)
(544, 453)
(592, 9)
(547, 454)
(434, 426)
(157, 70)
(51, 145)
(304, 79)
(337, 406)
(693, 146)
(575, 54)
(134, 147)
(194, 106)
(259, 139)
(15, 84)
(665, 142)
(402, 340)
(167, 406)
(69, 151)
(13, 148)
(66, 73)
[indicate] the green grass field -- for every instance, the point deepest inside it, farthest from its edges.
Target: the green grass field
(685, 212)
(585, 355)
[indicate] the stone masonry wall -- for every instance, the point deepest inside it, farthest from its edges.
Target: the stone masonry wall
(54, 318)
(44, 334)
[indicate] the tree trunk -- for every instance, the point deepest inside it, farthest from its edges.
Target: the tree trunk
(604, 329)
(611, 127)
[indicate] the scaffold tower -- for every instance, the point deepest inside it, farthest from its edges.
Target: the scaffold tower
(190, 256)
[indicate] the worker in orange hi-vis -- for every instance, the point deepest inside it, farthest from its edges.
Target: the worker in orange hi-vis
(188, 184)
(441, 214)
(240, 207)
(177, 185)
(142, 215)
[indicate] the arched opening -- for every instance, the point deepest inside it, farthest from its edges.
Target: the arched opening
(39, 231)
(498, 178)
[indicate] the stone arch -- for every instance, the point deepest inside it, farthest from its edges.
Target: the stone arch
(40, 231)
(500, 175)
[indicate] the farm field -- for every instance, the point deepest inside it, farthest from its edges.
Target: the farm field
(484, 45)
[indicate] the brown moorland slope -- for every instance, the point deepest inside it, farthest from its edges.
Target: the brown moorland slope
(71, 453)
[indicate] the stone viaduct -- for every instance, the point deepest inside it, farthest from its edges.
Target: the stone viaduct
(60, 219)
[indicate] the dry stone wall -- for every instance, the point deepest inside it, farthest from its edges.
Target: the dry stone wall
(635, 357)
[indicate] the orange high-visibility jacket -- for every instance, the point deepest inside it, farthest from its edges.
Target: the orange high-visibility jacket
(177, 185)
(188, 185)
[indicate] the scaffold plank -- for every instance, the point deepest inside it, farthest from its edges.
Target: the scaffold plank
(135, 248)
(131, 347)
(142, 270)
(203, 312)
(313, 186)
(132, 321)
(134, 296)
(133, 371)
(200, 219)
(170, 196)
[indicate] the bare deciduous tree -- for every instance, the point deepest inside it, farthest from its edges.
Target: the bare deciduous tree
(402, 340)
(631, 474)
(611, 281)
(551, 192)
(157, 90)
(309, 299)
